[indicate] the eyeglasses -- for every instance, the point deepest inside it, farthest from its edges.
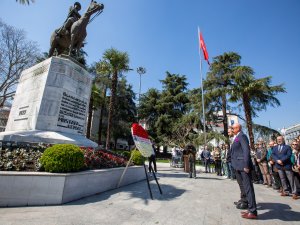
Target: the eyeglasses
(294, 144)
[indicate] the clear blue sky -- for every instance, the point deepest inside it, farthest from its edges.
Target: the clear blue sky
(161, 35)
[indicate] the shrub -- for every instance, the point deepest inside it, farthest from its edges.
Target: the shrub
(125, 154)
(137, 157)
(62, 158)
(122, 153)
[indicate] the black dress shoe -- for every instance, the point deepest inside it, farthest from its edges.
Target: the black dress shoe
(242, 206)
(238, 202)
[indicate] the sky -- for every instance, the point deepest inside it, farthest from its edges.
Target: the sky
(161, 35)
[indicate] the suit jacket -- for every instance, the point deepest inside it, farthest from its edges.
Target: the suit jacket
(284, 156)
(206, 154)
(240, 153)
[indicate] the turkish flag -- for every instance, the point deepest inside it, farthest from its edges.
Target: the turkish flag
(203, 47)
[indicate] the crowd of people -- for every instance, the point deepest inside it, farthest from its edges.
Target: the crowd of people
(276, 164)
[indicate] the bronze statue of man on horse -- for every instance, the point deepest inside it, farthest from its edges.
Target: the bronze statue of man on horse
(72, 17)
(70, 36)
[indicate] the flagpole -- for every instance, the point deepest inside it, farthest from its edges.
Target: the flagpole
(202, 92)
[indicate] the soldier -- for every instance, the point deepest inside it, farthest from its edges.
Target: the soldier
(73, 16)
(191, 152)
(217, 159)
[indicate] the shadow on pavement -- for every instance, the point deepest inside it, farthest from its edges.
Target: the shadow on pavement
(277, 211)
(137, 190)
(209, 178)
(174, 174)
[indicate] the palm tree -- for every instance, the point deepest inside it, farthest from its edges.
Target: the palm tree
(103, 79)
(255, 94)
(23, 2)
(219, 81)
(94, 99)
(117, 63)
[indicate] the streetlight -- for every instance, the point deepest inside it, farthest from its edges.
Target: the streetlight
(140, 70)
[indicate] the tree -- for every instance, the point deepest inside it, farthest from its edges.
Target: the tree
(24, 2)
(219, 81)
(194, 112)
(254, 94)
(16, 54)
(171, 106)
(184, 130)
(148, 111)
(94, 101)
(103, 80)
(165, 108)
(125, 111)
(117, 62)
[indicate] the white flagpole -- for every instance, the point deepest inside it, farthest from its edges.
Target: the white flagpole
(202, 92)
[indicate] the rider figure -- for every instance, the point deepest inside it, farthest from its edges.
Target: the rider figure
(73, 16)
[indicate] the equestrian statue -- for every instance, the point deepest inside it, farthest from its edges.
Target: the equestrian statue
(70, 36)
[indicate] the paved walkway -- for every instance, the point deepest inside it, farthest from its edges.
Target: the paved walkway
(205, 200)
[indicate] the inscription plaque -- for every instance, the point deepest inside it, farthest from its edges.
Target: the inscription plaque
(72, 113)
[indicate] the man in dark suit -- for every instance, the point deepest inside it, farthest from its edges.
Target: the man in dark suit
(241, 162)
(206, 155)
(243, 202)
(281, 154)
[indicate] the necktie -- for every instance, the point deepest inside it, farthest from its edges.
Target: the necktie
(280, 148)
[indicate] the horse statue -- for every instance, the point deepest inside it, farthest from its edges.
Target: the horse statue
(73, 40)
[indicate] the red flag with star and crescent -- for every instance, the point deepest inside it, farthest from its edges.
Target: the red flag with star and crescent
(203, 47)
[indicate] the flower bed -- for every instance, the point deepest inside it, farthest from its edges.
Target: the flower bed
(99, 159)
(26, 157)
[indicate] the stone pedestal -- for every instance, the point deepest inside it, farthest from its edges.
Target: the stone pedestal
(51, 104)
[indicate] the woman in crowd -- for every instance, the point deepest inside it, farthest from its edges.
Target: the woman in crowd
(296, 167)
(224, 161)
(261, 158)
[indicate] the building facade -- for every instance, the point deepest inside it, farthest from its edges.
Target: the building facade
(291, 133)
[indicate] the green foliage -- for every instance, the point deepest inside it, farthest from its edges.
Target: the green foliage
(253, 94)
(183, 130)
(62, 158)
(162, 110)
(124, 153)
(125, 111)
(116, 63)
(259, 92)
(137, 157)
(24, 2)
(210, 136)
(218, 83)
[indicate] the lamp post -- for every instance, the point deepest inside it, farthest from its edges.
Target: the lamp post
(140, 70)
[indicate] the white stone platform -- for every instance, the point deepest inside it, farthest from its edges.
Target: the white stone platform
(42, 188)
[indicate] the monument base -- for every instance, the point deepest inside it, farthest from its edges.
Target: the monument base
(47, 137)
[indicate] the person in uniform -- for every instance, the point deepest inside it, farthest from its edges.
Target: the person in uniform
(191, 152)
